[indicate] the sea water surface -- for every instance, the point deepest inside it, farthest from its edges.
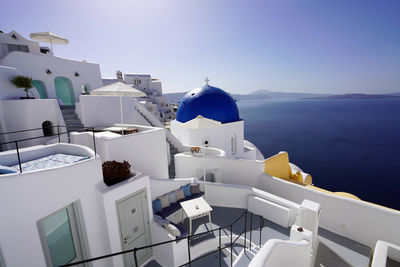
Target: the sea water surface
(347, 145)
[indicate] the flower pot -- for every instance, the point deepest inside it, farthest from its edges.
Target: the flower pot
(115, 172)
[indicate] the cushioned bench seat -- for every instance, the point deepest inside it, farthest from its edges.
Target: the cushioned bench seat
(165, 212)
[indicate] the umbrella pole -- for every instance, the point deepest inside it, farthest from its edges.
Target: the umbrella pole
(51, 45)
(204, 170)
(121, 112)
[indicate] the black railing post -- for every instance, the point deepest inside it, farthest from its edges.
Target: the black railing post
(261, 226)
(188, 246)
(231, 248)
(251, 227)
(94, 142)
(135, 256)
(58, 133)
(245, 231)
(220, 246)
(19, 159)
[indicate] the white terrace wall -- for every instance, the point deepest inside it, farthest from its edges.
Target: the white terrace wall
(146, 151)
(361, 221)
(27, 114)
(105, 110)
(225, 170)
(36, 65)
(28, 197)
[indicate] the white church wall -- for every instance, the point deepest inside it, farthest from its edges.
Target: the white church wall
(219, 137)
(29, 114)
(36, 65)
(105, 110)
(37, 194)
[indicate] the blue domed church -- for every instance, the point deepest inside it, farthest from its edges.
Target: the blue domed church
(209, 115)
(210, 102)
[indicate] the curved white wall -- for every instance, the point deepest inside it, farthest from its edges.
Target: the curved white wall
(363, 222)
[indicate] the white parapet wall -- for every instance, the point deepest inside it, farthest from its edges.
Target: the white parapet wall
(28, 114)
(361, 221)
(146, 150)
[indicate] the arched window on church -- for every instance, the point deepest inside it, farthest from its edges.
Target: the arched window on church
(47, 127)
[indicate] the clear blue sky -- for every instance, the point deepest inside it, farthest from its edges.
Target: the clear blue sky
(333, 46)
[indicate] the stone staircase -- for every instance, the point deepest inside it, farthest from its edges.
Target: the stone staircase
(72, 121)
(171, 140)
(171, 168)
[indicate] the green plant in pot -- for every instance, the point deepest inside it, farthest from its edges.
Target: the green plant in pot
(23, 82)
(115, 172)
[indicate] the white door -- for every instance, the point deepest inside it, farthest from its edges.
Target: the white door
(134, 225)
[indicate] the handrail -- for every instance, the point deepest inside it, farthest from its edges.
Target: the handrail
(188, 238)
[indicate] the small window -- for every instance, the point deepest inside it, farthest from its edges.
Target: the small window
(21, 48)
(47, 128)
(60, 237)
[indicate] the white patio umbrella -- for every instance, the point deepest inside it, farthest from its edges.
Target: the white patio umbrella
(48, 37)
(118, 89)
(200, 123)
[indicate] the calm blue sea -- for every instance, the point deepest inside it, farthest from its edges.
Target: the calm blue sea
(350, 145)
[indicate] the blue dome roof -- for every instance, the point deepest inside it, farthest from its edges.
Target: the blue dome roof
(210, 102)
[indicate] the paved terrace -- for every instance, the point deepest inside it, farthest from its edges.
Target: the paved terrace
(333, 250)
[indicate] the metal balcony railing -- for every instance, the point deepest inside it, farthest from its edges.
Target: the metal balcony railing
(59, 133)
(188, 238)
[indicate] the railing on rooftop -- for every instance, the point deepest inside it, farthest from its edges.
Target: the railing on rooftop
(188, 239)
(59, 134)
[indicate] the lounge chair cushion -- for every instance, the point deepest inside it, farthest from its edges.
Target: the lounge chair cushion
(175, 206)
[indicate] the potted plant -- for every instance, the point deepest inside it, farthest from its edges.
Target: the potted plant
(115, 172)
(23, 82)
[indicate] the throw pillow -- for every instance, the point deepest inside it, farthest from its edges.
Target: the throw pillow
(164, 201)
(195, 188)
(179, 194)
(186, 190)
(172, 197)
(172, 229)
(157, 205)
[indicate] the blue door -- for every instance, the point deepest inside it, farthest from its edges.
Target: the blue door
(64, 91)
